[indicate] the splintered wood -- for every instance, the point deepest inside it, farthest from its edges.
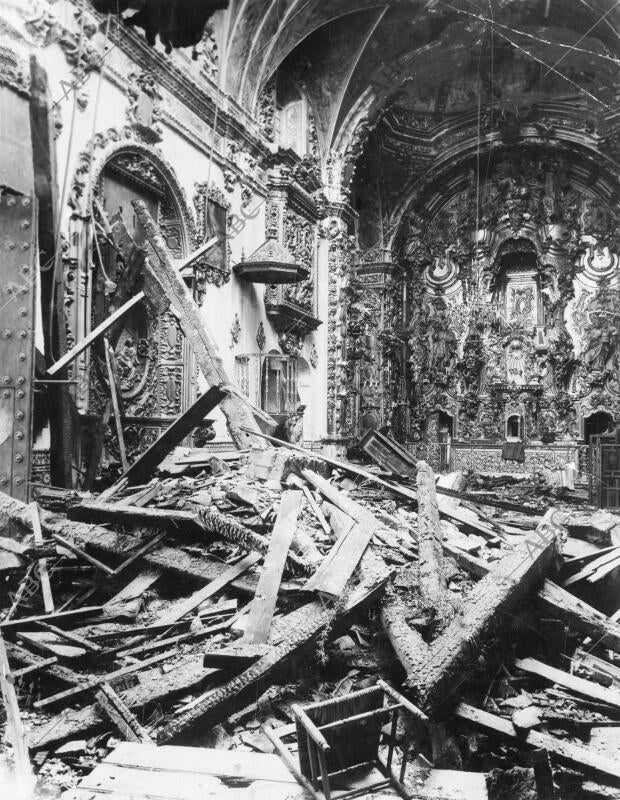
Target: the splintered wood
(264, 602)
(210, 593)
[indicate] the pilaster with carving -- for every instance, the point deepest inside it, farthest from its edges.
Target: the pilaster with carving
(342, 397)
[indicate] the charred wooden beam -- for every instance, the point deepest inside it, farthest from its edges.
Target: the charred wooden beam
(241, 424)
(572, 755)
(296, 632)
(121, 514)
(516, 576)
(433, 585)
(232, 531)
(409, 646)
(102, 542)
(188, 675)
(120, 714)
(143, 468)
(579, 615)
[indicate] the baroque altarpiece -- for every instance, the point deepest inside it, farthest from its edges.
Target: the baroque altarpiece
(494, 317)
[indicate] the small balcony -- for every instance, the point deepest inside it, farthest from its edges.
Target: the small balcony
(287, 315)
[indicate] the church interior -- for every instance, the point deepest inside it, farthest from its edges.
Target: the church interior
(310, 317)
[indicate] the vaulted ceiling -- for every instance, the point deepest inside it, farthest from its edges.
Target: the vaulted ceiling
(427, 58)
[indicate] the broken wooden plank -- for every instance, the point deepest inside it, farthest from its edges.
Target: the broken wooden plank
(15, 731)
(566, 752)
(189, 636)
(115, 396)
(139, 552)
(134, 589)
(294, 480)
(594, 691)
(31, 623)
(46, 589)
(122, 514)
(513, 579)
(48, 642)
(229, 529)
(192, 602)
(74, 638)
(298, 630)
(604, 570)
(43, 664)
(90, 683)
(144, 771)
(579, 615)
(119, 713)
(241, 424)
(337, 568)
(82, 554)
(611, 555)
(236, 657)
(101, 541)
(264, 603)
(143, 468)
(107, 323)
(57, 671)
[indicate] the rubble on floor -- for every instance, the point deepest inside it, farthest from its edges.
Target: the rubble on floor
(205, 606)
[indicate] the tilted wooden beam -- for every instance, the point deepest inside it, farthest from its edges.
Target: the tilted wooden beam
(241, 424)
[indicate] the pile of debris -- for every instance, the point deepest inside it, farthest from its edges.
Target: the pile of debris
(202, 606)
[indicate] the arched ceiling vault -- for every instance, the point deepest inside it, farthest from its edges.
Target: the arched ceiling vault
(428, 57)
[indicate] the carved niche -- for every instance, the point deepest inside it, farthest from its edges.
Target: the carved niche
(144, 111)
(151, 359)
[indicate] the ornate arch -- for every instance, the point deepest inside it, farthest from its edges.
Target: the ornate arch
(108, 145)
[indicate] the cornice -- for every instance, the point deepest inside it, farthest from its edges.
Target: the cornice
(233, 122)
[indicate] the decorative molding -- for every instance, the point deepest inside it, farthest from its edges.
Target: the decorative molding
(144, 111)
(203, 194)
(208, 55)
(261, 338)
(235, 331)
(14, 72)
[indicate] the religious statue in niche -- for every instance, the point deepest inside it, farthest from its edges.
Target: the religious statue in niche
(415, 252)
(442, 345)
(602, 332)
(515, 363)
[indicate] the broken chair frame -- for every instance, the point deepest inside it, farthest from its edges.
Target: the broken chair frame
(315, 751)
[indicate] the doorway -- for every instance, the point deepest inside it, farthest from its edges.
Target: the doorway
(444, 436)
